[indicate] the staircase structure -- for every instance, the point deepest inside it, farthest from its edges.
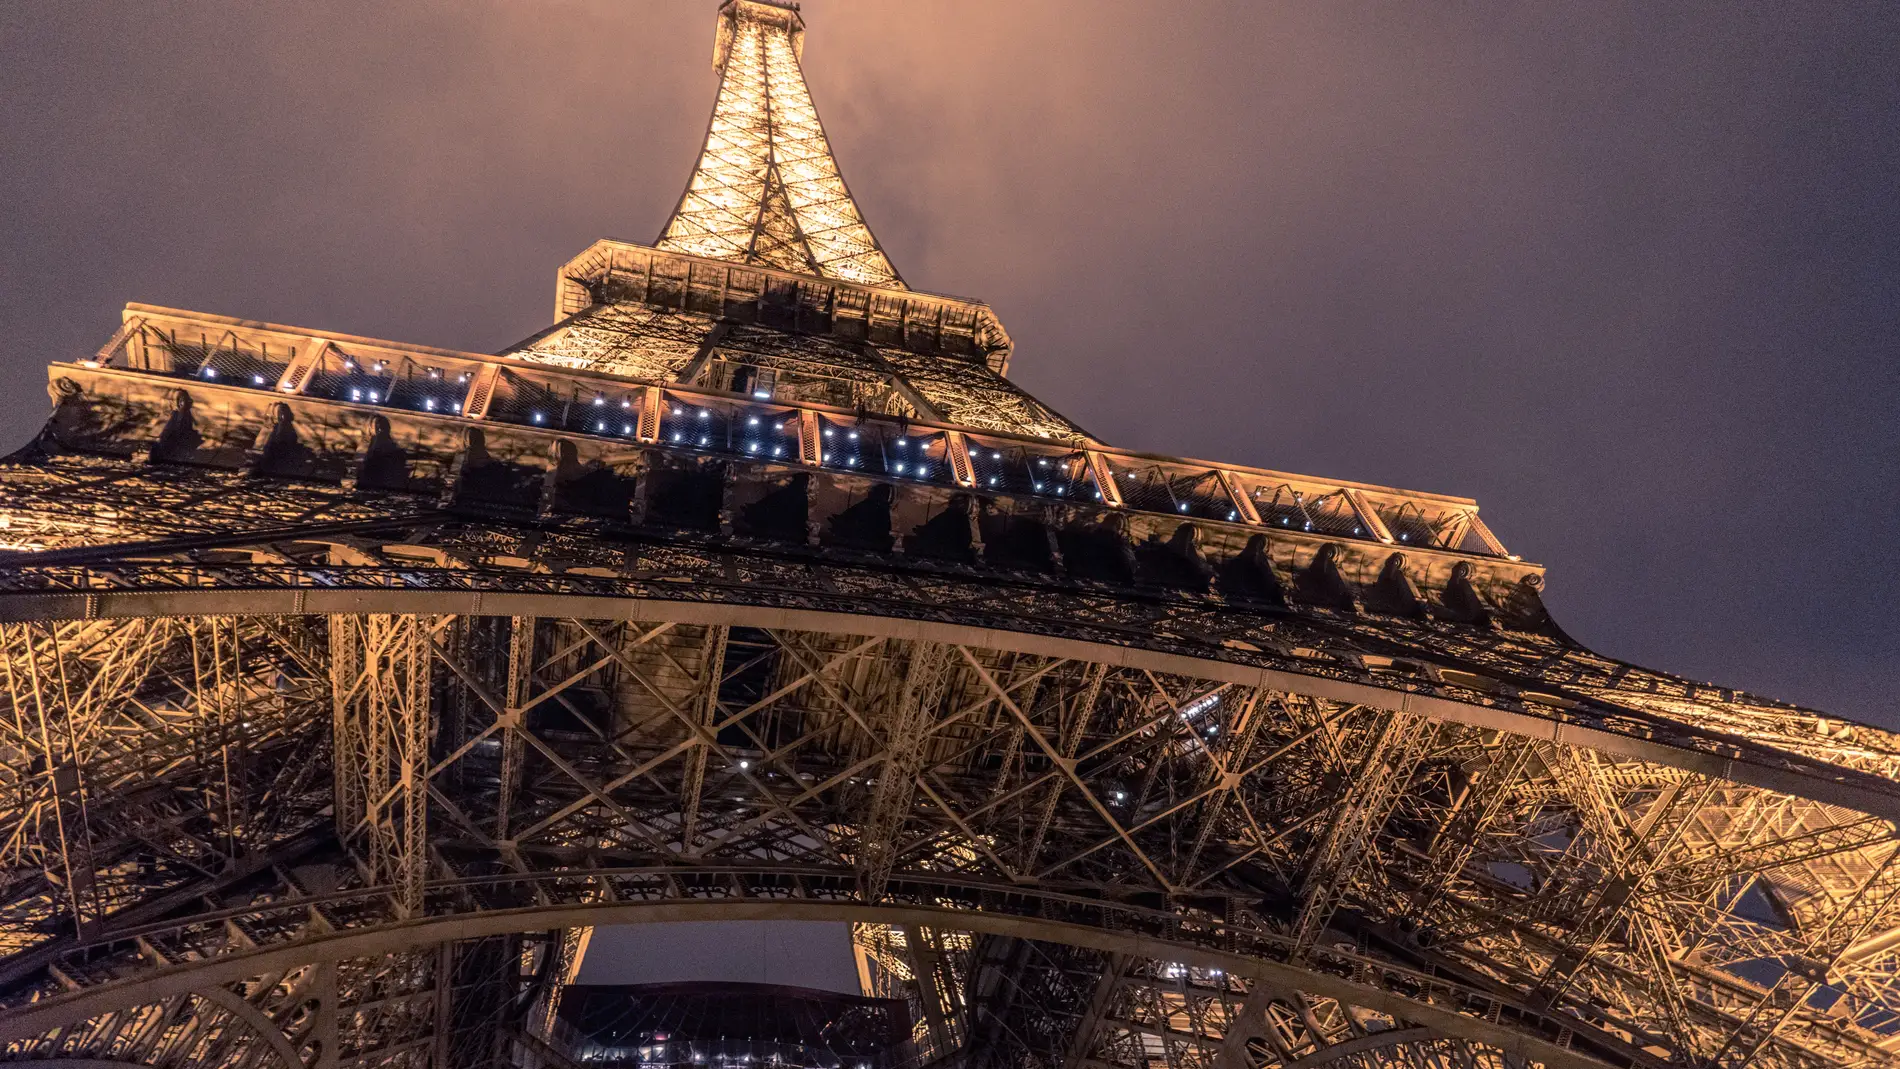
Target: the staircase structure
(349, 683)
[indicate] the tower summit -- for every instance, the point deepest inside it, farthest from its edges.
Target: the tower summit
(767, 189)
(345, 683)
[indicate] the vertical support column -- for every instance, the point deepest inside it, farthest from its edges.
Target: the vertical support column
(926, 966)
(651, 400)
(381, 718)
(959, 449)
(712, 669)
(1242, 504)
(323, 1029)
(347, 677)
(1373, 788)
(520, 669)
(562, 973)
(302, 369)
(925, 680)
(1368, 516)
(811, 450)
(481, 391)
(1105, 480)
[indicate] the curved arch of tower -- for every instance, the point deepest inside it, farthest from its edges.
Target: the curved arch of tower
(350, 683)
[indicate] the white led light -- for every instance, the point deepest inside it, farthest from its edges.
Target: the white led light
(429, 403)
(754, 447)
(599, 400)
(211, 373)
(537, 417)
(1183, 506)
(676, 436)
(457, 406)
(827, 432)
(992, 480)
(704, 414)
(600, 426)
(356, 395)
(1200, 705)
(900, 467)
(753, 422)
(626, 428)
(778, 450)
(258, 379)
(702, 441)
(854, 436)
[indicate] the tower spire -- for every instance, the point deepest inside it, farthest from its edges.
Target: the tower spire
(766, 189)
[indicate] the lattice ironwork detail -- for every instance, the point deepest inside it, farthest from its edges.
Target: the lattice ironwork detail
(348, 684)
(766, 189)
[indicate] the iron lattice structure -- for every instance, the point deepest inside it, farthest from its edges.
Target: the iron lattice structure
(349, 683)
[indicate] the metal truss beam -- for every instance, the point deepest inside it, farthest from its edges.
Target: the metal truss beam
(1114, 803)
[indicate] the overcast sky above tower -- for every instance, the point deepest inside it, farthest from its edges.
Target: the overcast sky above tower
(1628, 274)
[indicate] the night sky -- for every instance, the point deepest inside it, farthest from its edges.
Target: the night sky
(1628, 274)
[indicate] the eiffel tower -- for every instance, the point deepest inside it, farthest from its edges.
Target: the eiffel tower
(351, 683)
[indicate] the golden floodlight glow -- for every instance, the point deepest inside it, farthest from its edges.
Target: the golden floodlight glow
(347, 682)
(766, 189)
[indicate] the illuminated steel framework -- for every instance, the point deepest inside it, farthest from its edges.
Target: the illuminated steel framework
(767, 189)
(349, 683)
